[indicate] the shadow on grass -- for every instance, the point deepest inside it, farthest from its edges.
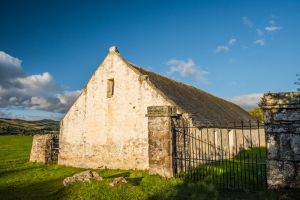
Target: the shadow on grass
(186, 190)
(123, 174)
(13, 171)
(135, 181)
(247, 170)
(203, 191)
(50, 189)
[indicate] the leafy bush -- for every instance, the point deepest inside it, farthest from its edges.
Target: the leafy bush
(257, 113)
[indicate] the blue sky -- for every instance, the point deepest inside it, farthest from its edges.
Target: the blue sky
(233, 49)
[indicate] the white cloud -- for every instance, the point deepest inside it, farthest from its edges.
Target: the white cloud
(68, 97)
(259, 32)
(39, 103)
(247, 101)
(43, 79)
(260, 42)
(247, 21)
(35, 92)
(26, 103)
(26, 115)
(39, 83)
(272, 28)
(272, 22)
(221, 48)
(186, 68)
(12, 99)
(232, 41)
(225, 48)
(6, 59)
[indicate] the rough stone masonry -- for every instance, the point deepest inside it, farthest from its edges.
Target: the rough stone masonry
(44, 148)
(282, 127)
(160, 139)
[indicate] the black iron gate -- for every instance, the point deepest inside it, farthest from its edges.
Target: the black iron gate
(54, 148)
(231, 156)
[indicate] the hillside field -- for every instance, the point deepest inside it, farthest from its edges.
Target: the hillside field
(20, 179)
(23, 127)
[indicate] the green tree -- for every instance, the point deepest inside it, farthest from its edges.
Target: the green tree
(257, 113)
(298, 82)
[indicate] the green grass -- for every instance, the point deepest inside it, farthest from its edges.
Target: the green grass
(247, 170)
(20, 179)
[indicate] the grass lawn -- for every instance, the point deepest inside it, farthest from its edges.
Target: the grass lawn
(20, 179)
(246, 170)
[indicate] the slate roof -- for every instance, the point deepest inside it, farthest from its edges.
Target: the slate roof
(203, 107)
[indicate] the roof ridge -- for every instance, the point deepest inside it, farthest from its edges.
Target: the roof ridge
(201, 105)
(137, 66)
(179, 82)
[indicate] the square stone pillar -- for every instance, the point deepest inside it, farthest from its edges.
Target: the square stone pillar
(44, 148)
(160, 139)
(282, 128)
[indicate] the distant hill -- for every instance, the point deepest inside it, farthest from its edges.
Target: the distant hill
(23, 127)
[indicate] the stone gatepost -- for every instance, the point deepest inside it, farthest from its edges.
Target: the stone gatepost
(160, 139)
(44, 148)
(282, 128)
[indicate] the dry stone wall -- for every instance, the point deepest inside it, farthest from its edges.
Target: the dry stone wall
(44, 148)
(282, 126)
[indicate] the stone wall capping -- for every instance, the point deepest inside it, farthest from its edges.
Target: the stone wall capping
(161, 111)
(280, 106)
(281, 100)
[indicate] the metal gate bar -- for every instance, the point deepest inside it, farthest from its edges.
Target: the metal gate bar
(229, 156)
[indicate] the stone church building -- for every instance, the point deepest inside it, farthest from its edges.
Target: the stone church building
(107, 126)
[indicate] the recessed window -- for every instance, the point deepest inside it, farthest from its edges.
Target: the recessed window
(110, 88)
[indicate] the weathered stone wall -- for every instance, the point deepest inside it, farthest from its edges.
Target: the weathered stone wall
(160, 139)
(282, 126)
(102, 131)
(42, 149)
